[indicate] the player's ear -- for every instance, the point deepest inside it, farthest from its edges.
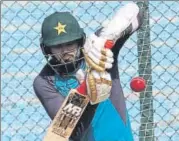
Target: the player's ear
(45, 50)
(42, 46)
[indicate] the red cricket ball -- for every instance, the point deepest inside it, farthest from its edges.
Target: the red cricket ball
(138, 84)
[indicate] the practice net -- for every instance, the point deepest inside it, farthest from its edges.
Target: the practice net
(152, 53)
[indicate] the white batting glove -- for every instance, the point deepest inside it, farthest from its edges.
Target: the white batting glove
(97, 56)
(98, 86)
(125, 21)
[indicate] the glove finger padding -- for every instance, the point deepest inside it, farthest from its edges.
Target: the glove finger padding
(97, 56)
(98, 86)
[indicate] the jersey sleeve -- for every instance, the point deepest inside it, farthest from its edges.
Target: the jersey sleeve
(48, 96)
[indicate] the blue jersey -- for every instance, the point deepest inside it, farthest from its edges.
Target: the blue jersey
(109, 119)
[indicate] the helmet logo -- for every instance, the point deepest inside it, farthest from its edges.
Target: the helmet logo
(60, 28)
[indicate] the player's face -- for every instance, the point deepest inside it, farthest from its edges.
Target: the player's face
(65, 52)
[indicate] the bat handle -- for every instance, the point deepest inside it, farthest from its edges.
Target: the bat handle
(109, 44)
(82, 88)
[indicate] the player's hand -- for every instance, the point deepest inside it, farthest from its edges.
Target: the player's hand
(98, 86)
(97, 56)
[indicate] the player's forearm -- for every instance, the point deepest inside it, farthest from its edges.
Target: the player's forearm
(125, 22)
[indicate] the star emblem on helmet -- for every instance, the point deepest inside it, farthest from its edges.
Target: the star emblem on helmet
(60, 28)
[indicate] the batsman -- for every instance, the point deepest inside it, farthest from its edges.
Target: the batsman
(73, 57)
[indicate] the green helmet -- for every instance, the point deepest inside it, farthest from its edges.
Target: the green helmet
(59, 28)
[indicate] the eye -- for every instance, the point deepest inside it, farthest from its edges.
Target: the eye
(69, 44)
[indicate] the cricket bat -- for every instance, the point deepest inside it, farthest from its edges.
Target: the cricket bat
(68, 115)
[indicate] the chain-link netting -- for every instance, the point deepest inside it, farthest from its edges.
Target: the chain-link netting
(153, 53)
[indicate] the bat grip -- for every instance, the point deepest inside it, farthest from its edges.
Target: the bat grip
(82, 88)
(109, 44)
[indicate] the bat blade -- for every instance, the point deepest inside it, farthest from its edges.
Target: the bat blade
(67, 117)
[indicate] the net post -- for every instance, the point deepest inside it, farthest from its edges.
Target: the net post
(146, 132)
